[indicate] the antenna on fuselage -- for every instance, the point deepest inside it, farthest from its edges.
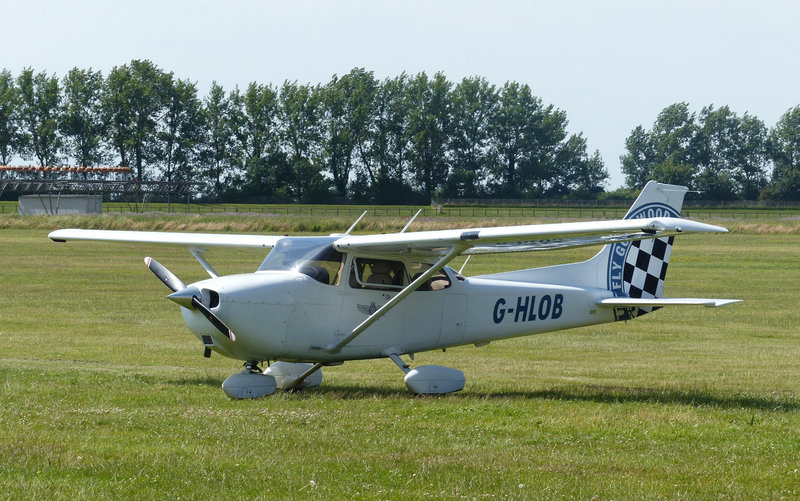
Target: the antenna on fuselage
(412, 220)
(354, 224)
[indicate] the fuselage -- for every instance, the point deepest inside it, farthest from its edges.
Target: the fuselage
(287, 314)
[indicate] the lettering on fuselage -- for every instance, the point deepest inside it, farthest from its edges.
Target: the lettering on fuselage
(529, 308)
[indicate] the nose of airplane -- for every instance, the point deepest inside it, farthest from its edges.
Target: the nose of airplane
(184, 296)
(202, 300)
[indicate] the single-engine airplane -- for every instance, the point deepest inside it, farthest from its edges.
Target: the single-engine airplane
(323, 300)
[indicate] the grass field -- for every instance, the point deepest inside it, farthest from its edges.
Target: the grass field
(104, 394)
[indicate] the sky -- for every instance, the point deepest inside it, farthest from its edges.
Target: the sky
(610, 65)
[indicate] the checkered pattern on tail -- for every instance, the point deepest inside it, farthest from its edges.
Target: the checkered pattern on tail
(645, 268)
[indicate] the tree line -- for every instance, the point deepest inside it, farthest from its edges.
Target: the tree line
(399, 140)
(718, 153)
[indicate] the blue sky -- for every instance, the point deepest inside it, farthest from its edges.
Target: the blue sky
(611, 65)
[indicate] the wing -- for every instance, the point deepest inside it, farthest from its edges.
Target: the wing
(190, 240)
(431, 245)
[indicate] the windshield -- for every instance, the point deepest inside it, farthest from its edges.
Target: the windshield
(312, 256)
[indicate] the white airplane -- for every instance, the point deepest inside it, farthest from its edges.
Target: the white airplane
(317, 301)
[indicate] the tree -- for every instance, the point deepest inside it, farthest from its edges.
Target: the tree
(637, 163)
(428, 129)
(179, 131)
(542, 165)
(9, 117)
(133, 102)
(117, 113)
(299, 112)
(512, 134)
(216, 147)
(253, 123)
(717, 137)
(731, 155)
(81, 122)
(347, 108)
(669, 151)
(673, 173)
(474, 103)
(577, 174)
(39, 115)
(362, 90)
(752, 156)
(389, 149)
(784, 149)
(337, 141)
(674, 135)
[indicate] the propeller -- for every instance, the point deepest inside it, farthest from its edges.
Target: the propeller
(163, 274)
(186, 296)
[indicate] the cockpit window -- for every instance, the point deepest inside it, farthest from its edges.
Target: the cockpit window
(312, 256)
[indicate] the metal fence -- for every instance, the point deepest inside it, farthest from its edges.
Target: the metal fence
(408, 211)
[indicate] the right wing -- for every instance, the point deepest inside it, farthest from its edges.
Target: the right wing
(433, 244)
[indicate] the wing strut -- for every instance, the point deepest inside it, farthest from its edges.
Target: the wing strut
(354, 224)
(383, 310)
(298, 383)
(198, 254)
(411, 221)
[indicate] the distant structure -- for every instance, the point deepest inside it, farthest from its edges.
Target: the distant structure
(80, 190)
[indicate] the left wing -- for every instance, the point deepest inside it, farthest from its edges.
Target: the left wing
(191, 240)
(434, 244)
(196, 243)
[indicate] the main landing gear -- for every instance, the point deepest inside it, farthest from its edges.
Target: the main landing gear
(430, 379)
(252, 382)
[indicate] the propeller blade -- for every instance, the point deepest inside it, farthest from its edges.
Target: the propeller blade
(185, 296)
(163, 274)
(215, 321)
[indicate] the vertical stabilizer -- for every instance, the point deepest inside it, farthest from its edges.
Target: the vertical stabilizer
(637, 269)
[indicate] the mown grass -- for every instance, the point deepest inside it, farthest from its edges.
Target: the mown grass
(105, 395)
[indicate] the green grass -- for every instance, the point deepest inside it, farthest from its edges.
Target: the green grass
(104, 394)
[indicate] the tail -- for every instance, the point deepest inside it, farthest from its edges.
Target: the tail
(633, 271)
(637, 269)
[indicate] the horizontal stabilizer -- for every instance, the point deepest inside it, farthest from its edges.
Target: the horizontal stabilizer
(616, 302)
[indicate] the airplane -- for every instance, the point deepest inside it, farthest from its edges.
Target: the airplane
(320, 301)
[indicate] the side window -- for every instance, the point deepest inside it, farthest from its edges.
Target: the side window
(438, 281)
(381, 274)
